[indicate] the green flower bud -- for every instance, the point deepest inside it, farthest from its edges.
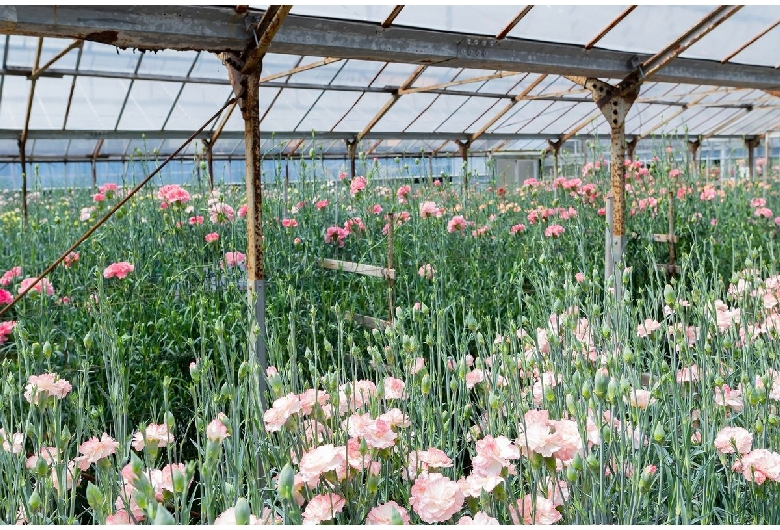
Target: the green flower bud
(35, 501)
(425, 386)
(163, 516)
(47, 349)
(669, 294)
(242, 512)
(286, 483)
(95, 497)
(659, 433)
(88, 340)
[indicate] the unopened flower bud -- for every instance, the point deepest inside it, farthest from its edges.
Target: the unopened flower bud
(242, 511)
(286, 483)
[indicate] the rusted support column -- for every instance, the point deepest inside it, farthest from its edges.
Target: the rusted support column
(463, 150)
(351, 155)
(209, 161)
(615, 107)
(631, 147)
(250, 110)
(750, 145)
(555, 149)
(693, 148)
(23, 159)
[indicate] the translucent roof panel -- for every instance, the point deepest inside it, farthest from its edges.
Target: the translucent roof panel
(573, 24)
(321, 75)
(467, 114)
(358, 73)
(196, 104)
(101, 57)
(22, 50)
(81, 148)
(148, 105)
(364, 109)
(404, 112)
(289, 109)
(328, 109)
(50, 103)
(14, 102)
(746, 24)
(482, 20)
(96, 103)
(168, 61)
(362, 13)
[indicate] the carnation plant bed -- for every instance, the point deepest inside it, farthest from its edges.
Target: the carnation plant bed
(510, 386)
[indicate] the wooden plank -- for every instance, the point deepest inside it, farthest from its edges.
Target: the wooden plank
(358, 268)
(671, 269)
(368, 322)
(664, 238)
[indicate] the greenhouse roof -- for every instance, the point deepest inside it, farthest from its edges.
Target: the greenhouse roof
(84, 82)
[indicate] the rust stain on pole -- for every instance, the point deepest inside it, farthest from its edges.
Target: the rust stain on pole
(250, 108)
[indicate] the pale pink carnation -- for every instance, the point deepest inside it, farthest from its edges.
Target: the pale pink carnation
(96, 449)
(234, 259)
(480, 518)
(216, 431)
(728, 437)
(154, 435)
(383, 514)
(647, 327)
(44, 286)
(494, 454)
(429, 209)
(554, 231)
(321, 460)
(213, 236)
(323, 507)
(436, 498)
(45, 386)
(357, 185)
(394, 388)
(457, 223)
(543, 513)
(284, 407)
(759, 465)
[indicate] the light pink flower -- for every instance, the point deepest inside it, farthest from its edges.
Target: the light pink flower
(379, 435)
(216, 431)
(474, 377)
(517, 229)
(9, 275)
(457, 223)
(336, 235)
(394, 388)
(729, 437)
(376, 209)
(196, 220)
(357, 185)
(220, 212)
(289, 223)
(554, 231)
(213, 236)
(154, 435)
(321, 460)
(96, 448)
(759, 465)
(543, 513)
(480, 518)
(323, 507)
(6, 328)
(242, 211)
(44, 286)
(395, 418)
(118, 270)
(98, 197)
(321, 204)
(429, 209)
(383, 514)
(173, 193)
(640, 398)
(403, 192)
(234, 259)
(12, 444)
(436, 498)
(427, 271)
(726, 397)
(579, 277)
(423, 461)
(121, 517)
(284, 407)
(493, 455)
(70, 259)
(647, 328)
(45, 386)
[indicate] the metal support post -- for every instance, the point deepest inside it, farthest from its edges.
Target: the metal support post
(615, 106)
(463, 150)
(351, 155)
(693, 148)
(631, 147)
(750, 145)
(23, 160)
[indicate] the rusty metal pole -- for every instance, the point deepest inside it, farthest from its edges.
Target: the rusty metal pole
(693, 147)
(210, 162)
(23, 160)
(250, 109)
(631, 148)
(750, 144)
(615, 106)
(351, 154)
(463, 150)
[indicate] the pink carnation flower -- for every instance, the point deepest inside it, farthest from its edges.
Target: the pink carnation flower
(234, 259)
(154, 435)
(213, 236)
(45, 386)
(730, 437)
(458, 223)
(44, 286)
(383, 514)
(554, 231)
(436, 498)
(323, 507)
(118, 270)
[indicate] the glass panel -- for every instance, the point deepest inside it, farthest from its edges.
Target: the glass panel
(51, 100)
(274, 63)
(209, 66)
(167, 62)
(328, 110)
(114, 147)
(642, 117)
(574, 24)
(568, 121)
(436, 75)
(371, 13)
(197, 104)
(394, 75)
(365, 109)
(441, 109)
(13, 106)
(322, 75)
(521, 117)
(82, 148)
(46, 148)
(403, 112)
(358, 73)
(551, 114)
(96, 103)
(224, 146)
(471, 111)
(475, 20)
(504, 85)
(739, 29)
(498, 106)
(148, 105)
(649, 29)
(289, 109)
(758, 120)
(21, 52)
(108, 58)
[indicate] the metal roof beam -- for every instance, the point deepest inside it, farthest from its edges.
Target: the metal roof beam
(509, 27)
(749, 43)
(617, 20)
(219, 29)
(78, 43)
(392, 101)
(480, 79)
(392, 16)
(508, 107)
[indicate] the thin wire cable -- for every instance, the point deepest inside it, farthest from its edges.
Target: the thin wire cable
(113, 210)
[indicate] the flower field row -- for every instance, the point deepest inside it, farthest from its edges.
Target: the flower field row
(510, 385)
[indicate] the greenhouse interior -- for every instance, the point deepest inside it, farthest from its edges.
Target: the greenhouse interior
(390, 264)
